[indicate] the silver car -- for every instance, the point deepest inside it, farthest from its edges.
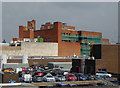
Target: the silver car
(60, 78)
(49, 78)
(37, 78)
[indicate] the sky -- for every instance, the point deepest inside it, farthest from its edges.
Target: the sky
(87, 16)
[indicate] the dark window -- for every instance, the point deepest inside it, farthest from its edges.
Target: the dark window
(47, 39)
(51, 27)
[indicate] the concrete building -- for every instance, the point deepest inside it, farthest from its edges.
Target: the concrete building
(69, 40)
(31, 49)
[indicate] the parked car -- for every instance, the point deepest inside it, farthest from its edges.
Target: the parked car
(91, 77)
(23, 68)
(80, 76)
(102, 73)
(21, 73)
(60, 84)
(60, 78)
(26, 71)
(8, 70)
(40, 73)
(31, 73)
(92, 84)
(56, 72)
(49, 78)
(102, 84)
(42, 66)
(30, 68)
(53, 72)
(65, 72)
(46, 67)
(27, 78)
(37, 78)
(12, 81)
(21, 79)
(70, 77)
(72, 85)
(18, 69)
(46, 72)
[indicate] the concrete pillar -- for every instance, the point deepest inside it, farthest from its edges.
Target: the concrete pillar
(25, 59)
(3, 60)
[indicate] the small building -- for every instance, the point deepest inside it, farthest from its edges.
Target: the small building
(107, 58)
(62, 65)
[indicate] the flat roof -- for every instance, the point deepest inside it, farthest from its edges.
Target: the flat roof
(60, 62)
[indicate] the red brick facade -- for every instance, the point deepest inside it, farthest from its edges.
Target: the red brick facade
(53, 33)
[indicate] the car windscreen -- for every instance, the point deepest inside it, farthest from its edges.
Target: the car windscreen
(48, 76)
(72, 75)
(80, 75)
(59, 76)
(100, 72)
(38, 76)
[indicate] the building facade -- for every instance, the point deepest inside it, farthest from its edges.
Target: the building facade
(69, 40)
(107, 57)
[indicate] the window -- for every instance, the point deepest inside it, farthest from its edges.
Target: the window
(51, 27)
(39, 36)
(63, 33)
(47, 39)
(42, 27)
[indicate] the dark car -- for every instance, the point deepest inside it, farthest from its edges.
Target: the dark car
(40, 73)
(34, 67)
(72, 85)
(56, 72)
(91, 77)
(32, 73)
(61, 84)
(46, 67)
(26, 71)
(60, 78)
(29, 68)
(37, 78)
(20, 73)
(80, 76)
(102, 84)
(42, 66)
(46, 71)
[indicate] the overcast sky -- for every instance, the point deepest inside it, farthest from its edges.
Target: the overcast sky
(86, 16)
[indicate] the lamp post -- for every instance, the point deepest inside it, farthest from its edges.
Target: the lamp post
(83, 65)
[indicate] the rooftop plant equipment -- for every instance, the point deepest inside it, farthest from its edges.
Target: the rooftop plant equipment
(40, 40)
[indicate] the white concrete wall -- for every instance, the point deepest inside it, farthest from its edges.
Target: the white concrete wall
(34, 49)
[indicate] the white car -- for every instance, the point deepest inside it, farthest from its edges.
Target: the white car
(27, 78)
(49, 78)
(102, 73)
(18, 69)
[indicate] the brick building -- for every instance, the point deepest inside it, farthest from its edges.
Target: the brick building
(107, 57)
(69, 40)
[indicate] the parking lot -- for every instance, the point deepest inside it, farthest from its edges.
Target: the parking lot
(43, 76)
